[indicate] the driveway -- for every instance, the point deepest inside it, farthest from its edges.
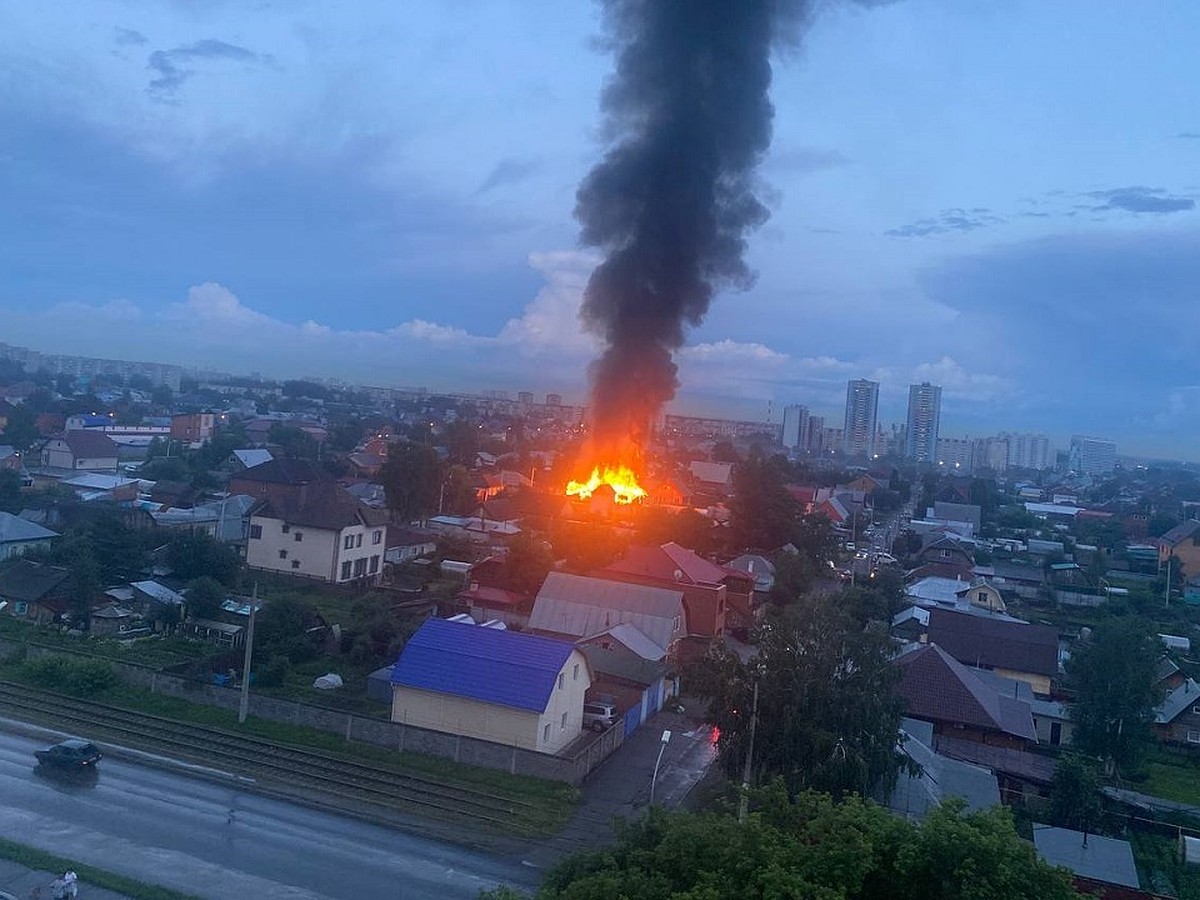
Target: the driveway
(620, 786)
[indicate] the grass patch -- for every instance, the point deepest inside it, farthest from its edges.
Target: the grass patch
(42, 861)
(1172, 780)
(551, 802)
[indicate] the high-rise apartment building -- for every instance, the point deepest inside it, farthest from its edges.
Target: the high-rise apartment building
(795, 427)
(1092, 455)
(1029, 451)
(924, 419)
(862, 407)
(956, 453)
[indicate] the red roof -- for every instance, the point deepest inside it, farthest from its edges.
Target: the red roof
(670, 562)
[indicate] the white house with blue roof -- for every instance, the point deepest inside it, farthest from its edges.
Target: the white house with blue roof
(520, 690)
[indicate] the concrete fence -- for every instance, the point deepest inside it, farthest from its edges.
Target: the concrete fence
(571, 768)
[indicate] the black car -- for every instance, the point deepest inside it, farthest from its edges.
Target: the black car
(72, 754)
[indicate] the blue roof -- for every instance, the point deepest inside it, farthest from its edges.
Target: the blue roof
(488, 664)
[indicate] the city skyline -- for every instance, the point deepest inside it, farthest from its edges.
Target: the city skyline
(952, 203)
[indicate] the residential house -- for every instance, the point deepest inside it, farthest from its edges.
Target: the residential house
(10, 458)
(1018, 579)
(35, 592)
(1177, 719)
(713, 477)
(173, 494)
(87, 450)
(1102, 861)
(321, 532)
(405, 544)
(1013, 649)
(761, 569)
(976, 595)
(1168, 675)
(193, 428)
(632, 670)
(488, 603)
(945, 556)
(938, 689)
(958, 512)
(157, 602)
(671, 566)
(519, 690)
(937, 778)
(283, 480)
(240, 460)
(114, 620)
(1182, 542)
(18, 536)
(575, 607)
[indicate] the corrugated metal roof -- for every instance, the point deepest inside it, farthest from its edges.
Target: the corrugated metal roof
(14, 529)
(159, 592)
(1187, 694)
(637, 642)
(583, 607)
(1092, 856)
(491, 665)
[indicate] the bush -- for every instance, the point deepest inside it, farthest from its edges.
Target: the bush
(83, 678)
(275, 672)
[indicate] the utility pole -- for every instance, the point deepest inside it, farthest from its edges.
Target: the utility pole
(744, 802)
(1167, 589)
(244, 706)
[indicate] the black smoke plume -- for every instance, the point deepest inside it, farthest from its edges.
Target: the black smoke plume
(688, 118)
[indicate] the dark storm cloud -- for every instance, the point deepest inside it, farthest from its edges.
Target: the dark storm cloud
(1142, 200)
(127, 36)
(507, 172)
(948, 220)
(173, 67)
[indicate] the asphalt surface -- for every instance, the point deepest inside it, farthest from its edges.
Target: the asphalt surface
(213, 840)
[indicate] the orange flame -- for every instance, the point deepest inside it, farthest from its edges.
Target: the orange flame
(620, 478)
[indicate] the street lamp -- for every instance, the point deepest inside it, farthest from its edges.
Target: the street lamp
(665, 739)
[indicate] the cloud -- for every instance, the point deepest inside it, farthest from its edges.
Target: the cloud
(1142, 200)
(948, 220)
(1188, 136)
(805, 159)
(127, 36)
(172, 68)
(508, 172)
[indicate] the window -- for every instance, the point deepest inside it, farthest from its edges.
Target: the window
(546, 733)
(983, 598)
(561, 681)
(360, 567)
(283, 554)
(374, 564)
(295, 563)
(377, 537)
(575, 673)
(255, 532)
(286, 527)
(1193, 737)
(21, 608)
(348, 543)
(345, 570)
(1196, 710)
(945, 554)
(564, 721)
(358, 540)
(299, 536)
(675, 624)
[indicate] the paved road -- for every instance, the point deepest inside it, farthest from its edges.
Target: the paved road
(165, 828)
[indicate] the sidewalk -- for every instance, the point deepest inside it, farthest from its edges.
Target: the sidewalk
(17, 881)
(620, 787)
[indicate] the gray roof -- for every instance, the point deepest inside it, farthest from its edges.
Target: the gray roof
(159, 592)
(253, 457)
(582, 607)
(1092, 856)
(939, 779)
(14, 529)
(1187, 694)
(636, 641)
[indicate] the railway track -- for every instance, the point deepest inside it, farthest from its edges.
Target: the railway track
(272, 764)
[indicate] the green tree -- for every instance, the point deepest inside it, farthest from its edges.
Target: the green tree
(204, 597)
(345, 436)
(461, 439)
(282, 629)
(457, 494)
(10, 491)
(411, 480)
(161, 396)
(21, 429)
(686, 527)
(809, 847)
(294, 442)
(762, 513)
(85, 584)
(196, 555)
(1075, 794)
(527, 563)
(1113, 674)
(827, 716)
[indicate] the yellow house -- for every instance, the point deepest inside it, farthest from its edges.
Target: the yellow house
(517, 689)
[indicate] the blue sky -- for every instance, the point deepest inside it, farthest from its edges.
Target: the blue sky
(996, 196)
